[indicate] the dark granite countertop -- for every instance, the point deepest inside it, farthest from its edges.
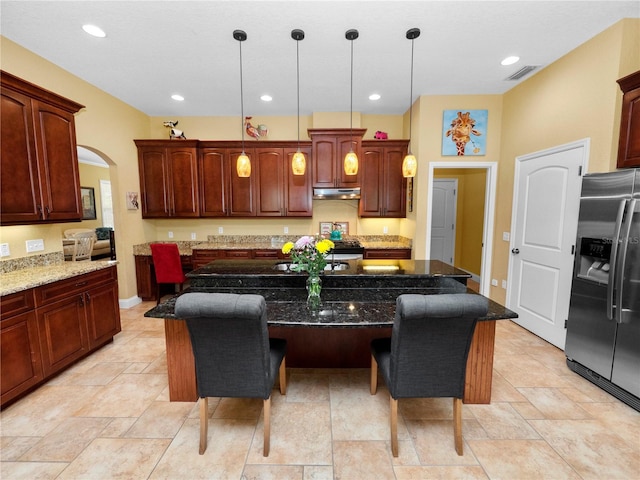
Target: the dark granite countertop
(364, 295)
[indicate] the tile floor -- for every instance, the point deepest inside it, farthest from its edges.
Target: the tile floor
(109, 417)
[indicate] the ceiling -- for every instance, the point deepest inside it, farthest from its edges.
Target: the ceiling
(154, 49)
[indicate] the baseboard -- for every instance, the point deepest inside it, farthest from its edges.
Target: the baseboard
(129, 302)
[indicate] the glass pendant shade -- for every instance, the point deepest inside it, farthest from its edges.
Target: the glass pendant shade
(243, 165)
(351, 163)
(409, 166)
(298, 163)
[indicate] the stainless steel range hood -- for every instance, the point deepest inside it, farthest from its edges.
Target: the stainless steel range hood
(336, 193)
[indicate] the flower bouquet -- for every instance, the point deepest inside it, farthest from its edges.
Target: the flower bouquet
(309, 254)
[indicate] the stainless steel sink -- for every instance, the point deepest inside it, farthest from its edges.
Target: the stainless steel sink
(285, 267)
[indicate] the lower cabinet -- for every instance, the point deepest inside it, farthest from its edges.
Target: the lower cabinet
(45, 329)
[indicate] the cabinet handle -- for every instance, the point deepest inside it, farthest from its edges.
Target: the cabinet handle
(48, 210)
(81, 284)
(81, 298)
(88, 298)
(40, 212)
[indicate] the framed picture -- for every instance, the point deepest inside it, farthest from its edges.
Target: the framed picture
(343, 227)
(464, 132)
(325, 228)
(132, 201)
(88, 199)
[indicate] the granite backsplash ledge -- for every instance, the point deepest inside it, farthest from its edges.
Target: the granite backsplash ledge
(271, 242)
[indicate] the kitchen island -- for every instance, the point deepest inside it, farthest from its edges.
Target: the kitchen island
(358, 304)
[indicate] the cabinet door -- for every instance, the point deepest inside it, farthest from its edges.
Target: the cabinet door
(242, 194)
(62, 328)
(325, 151)
(103, 314)
(59, 176)
(19, 355)
(183, 182)
(270, 186)
(394, 195)
(344, 145)
(214, 173)
(372, 179)
(20, 191)
(153, 182)
(629, 142)
(145, 277)
(298, 192)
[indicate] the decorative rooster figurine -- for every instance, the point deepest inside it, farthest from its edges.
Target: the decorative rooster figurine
(254, 132)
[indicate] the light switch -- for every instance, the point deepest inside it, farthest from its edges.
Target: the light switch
(170, 234)
(193, 235)
(506, 236)
(4, 250)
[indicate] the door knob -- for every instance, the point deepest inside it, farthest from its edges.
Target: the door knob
(515, 250)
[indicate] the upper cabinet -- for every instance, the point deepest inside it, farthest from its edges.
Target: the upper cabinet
(629, 145)
(279, 192)
(383, 188)
(329, 147)
(168, 178)
(39, 159)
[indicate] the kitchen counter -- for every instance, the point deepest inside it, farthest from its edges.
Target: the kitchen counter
(31, 277)
(358, 304)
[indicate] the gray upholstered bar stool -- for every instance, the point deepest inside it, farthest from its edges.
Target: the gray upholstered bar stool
(233, 353)
(426, 355)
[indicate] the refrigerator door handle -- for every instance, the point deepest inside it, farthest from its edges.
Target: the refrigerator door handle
(624, 238)
(613, 263)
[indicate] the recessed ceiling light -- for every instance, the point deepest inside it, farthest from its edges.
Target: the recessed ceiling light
(177, 98)
(93, 30)
(374, 96)
(509, 60)
(266, 98)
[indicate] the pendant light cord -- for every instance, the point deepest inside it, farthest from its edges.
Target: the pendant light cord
(351, 104)
(411, 100)
(298, 86)
(241, 99)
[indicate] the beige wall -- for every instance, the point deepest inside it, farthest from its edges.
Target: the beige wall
(576, 97)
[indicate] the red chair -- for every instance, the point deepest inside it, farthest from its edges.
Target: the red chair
(167, 264)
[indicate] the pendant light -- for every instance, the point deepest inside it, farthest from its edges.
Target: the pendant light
(351, 159)
(298, 162)
(243, 163)
(410, 164)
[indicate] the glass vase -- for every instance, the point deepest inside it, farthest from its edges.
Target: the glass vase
(314, 287)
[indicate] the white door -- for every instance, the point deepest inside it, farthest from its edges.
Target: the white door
(544, 225)
(443, 220)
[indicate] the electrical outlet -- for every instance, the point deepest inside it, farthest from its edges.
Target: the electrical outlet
(220, 230)
(193, 235)
(170, 234)
(385, 230)
(4, 250)
(35, 245)
(504, 284)
(494, 282)
(286, 229)
(506, 236)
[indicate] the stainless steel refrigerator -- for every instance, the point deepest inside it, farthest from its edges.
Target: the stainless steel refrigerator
(603, 328)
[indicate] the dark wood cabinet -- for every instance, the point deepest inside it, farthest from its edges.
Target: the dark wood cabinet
(38, 147)
(328, 149)
(629, 143)
(242, 200)
(168, 178)
(214, 173)
(19, 345)
(280, 193)
(45, 329)
(383, 190)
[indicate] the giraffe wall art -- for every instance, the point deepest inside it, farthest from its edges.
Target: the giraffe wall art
(464, 132)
